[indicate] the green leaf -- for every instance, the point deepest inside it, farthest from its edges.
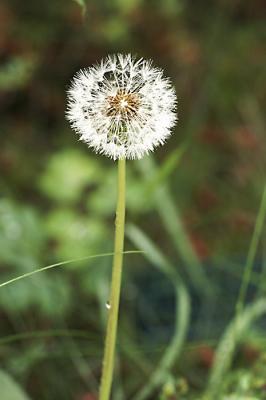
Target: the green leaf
(82, 4)
(75, 234)
(10, 390)
(67, 174)
(136, 196)
(21, 234)
(127, 6)
(16, 73)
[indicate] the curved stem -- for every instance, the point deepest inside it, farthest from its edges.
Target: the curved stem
(113, 306)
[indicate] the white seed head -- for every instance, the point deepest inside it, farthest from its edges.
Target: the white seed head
(122, 107)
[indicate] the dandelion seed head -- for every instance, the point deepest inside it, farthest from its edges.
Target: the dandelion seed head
(122, 107)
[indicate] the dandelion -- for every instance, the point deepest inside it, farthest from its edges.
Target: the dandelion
(122, 107)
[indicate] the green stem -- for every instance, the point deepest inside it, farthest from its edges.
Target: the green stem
(251, 254)
(113, 306)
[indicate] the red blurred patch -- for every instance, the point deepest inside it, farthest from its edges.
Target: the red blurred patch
(242, 173)
(250, 353)
(10, 44)
(6, 21)
(205, 356)
(200, 246)
(212, 135)
(206, 198)
(245, 139)
(241, 221)
(88, 396)
(188, 51)
(74, 15)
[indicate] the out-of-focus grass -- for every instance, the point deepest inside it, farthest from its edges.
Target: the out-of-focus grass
(182, 316)
(228, 343)
(260, 221)
(172, 222)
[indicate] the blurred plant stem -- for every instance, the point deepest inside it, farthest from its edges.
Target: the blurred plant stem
(113, 305)
(251, 254)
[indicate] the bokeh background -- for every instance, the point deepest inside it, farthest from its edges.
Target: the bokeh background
(192, 207)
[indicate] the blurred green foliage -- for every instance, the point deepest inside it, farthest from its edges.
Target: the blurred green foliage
(67, 174)
(9, 389)
(192, 207)
(22, 246)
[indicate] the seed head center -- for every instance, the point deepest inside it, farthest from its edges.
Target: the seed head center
(123, 105)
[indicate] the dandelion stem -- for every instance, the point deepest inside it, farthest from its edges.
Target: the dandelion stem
(110, 340)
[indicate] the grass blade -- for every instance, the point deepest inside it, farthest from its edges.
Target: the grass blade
(228, 344)
(252, 253)
(158, 260)
(10, 390)
(173, 224)
(60, 264)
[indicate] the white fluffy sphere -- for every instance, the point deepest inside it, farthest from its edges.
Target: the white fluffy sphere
(122, 107)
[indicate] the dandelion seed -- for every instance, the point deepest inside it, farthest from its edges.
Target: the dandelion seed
(122, 107)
